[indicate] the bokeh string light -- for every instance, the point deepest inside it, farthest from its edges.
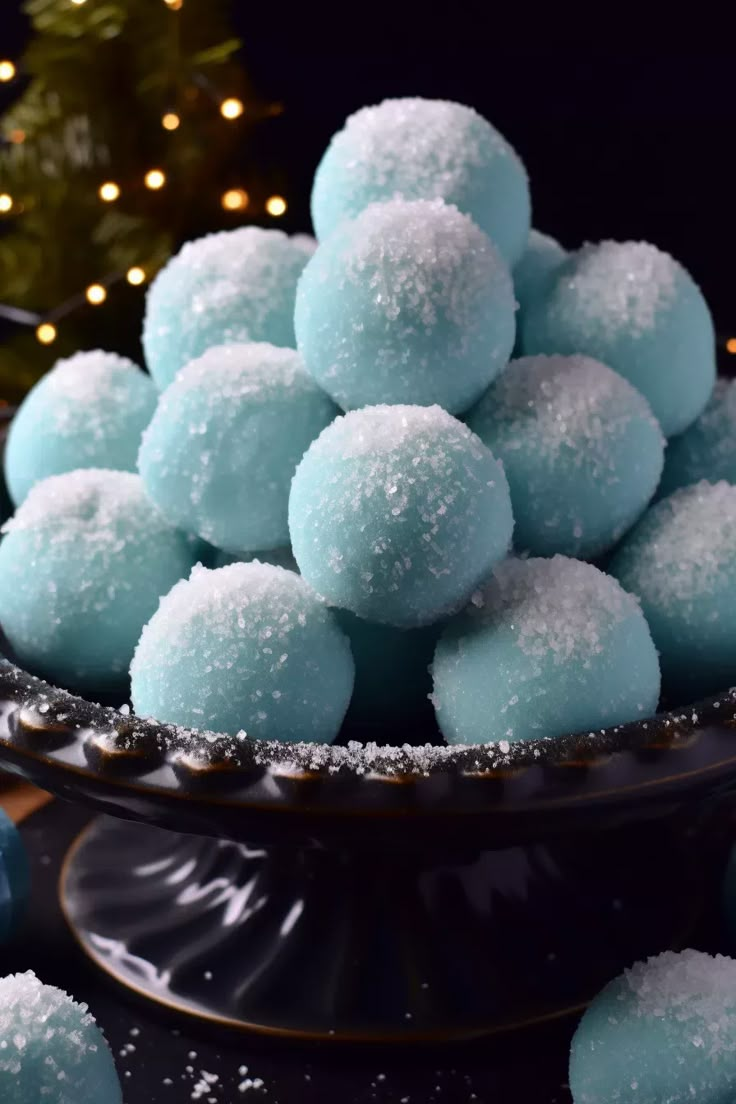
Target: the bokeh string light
(233, 200)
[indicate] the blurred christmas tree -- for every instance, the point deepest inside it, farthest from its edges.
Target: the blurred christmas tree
(128, 136)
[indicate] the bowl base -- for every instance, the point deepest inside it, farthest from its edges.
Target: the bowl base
(376, 946)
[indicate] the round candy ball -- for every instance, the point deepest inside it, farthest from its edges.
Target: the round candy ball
(397, 513)
(680, 560)
(392, 679)
(279, 557)
(89, 411)
(246, 649)
(409, 302)
(665, 1031)
(707, 449)
(534, 273)
(636, 309)
(83, 564)
(581, 450)
(545, 648)
(237, 285)
(222, 448)
(52, 1050)
(425, 149)
(14, 877)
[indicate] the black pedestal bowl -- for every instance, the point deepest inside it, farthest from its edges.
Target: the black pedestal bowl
(376, 893)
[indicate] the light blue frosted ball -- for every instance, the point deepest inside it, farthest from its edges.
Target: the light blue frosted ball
(581, 450)
(410, 302)
(244, 649)
(52, 1049)
(680, 560)
(14, 877)
(662, 1033)
(636, 309)
(397, 512)
(392, 679)
(535, 272)
(425, 149)
(545, 648)
(222, 448)
(89, 411)
(707, 449)
(233, 286)
(83, 564)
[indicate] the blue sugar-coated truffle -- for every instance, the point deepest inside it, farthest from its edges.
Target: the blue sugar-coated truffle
(545, 648)
(425, 149)
(14, 876)
(392, 679)
(409, 302)
(279, 557)
(662, 1033)
(233, 286)
(246, 649)
(89, 411)
(222, 448)
(581, 450)
(636, 309)
(534, 273)
(52, 1050)
(83, 564)
(397, 513)
(707, 450)
(680, 560)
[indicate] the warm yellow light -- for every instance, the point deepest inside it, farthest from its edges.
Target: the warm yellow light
(231, 108)
(155, 179)
(78, 3)
(6, 203)
(135, 275)
(276, 205)
(109, 191)
(96, 294)
(46, 333)
(170, 121)
(7, 70)
(173, 4)
(731, 345)
(235, 199)
(17, 136)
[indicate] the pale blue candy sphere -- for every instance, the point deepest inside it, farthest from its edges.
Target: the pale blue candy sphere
(83, 564)
(707, 449)
(233, 286)
(680, 560)
(52, 1049)
(222, 448)
(545, 648)
(662, 1033)
(397, 513)
(636, 309)
(425, 149)
(410, 302)
(534, 273)
(89, 411)
(581, 450)
(14, 877)
(244, 649)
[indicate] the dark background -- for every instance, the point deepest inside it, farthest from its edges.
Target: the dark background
(621, 139)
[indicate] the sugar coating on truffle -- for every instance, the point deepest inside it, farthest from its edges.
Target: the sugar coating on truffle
(100, 383)
(690, 539)
(621, 286)
(577, 405)
(392, 142)
(231, 286)
(396, 512)
(559, 607)
(50, 1046)
(245, 649)
(707, 449)
(425, 258)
